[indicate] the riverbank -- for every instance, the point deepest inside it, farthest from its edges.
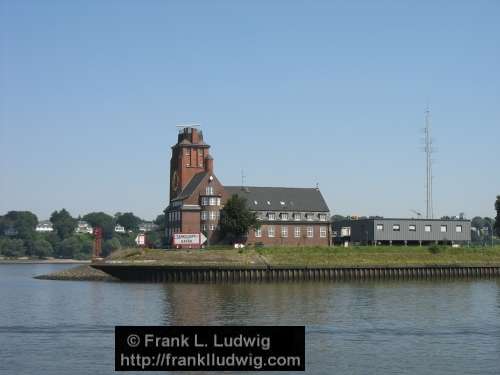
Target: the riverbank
(380, 256)
(322, 259)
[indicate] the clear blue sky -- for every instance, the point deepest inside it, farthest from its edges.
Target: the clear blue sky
(293, 92)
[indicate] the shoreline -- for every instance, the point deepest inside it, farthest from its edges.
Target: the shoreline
(260, 273)
(44, 261)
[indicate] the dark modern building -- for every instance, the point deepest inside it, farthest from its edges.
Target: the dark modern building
(377, 231)
(288, 216)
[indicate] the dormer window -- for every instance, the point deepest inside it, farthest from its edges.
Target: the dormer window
(296, 216)
(309, 217)
(322, 217)
(284, 216)
(271, 216)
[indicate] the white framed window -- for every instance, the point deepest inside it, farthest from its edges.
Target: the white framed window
(258, 232)
(322, 232)
(458, 229)
(212, 227)
(412, 228)
(204, 227)
(396, 227)
(322, 217)
(310, 232)
(380, 226)
(218, 201)
(212, 201)
(271, 216)
(204, 215)
(296, 217)
(443, 228)
(209, 190)
(270, 231)
(284, 216)
(296, 232)
(428, 228)
(204, 201)
(284, 231)
(212, 215)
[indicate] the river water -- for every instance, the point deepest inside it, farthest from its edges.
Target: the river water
(67, 327)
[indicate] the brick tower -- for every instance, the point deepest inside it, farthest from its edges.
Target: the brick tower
(188, 158)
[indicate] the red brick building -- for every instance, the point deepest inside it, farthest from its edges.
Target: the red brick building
(288, 216)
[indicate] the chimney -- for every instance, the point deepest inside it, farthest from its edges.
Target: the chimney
(209, 164)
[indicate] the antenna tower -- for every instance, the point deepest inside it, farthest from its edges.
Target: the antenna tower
(428, 156)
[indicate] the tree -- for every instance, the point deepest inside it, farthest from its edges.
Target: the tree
(478, 222)
(12, 247)
(129, 221)
(69, 247)
(23, 222)
(110, 245)
(42, 248)
(237, 219)
(102, 220)
(497, 219)
(338, 218)
(63, 223)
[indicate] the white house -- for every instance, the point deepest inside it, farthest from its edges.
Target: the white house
(119, 228)
(83, 227)
(44, 226)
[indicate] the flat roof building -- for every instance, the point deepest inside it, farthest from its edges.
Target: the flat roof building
(381, 231)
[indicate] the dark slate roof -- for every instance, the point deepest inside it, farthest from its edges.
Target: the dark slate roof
(280, 198)
(191, 186)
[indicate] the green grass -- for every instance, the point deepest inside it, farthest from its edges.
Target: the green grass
(315, 256)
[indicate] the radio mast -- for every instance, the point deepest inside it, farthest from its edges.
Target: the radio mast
(428, 157)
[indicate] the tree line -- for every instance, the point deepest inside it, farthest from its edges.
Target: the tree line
(19, 238)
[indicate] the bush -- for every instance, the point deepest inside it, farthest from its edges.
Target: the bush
(434, 249)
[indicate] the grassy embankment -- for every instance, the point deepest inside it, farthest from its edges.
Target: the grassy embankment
(314, 256)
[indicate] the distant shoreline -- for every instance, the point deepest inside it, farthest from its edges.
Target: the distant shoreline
(43, 261)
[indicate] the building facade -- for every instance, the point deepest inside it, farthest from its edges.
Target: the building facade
(401, 231)
(288, 216)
